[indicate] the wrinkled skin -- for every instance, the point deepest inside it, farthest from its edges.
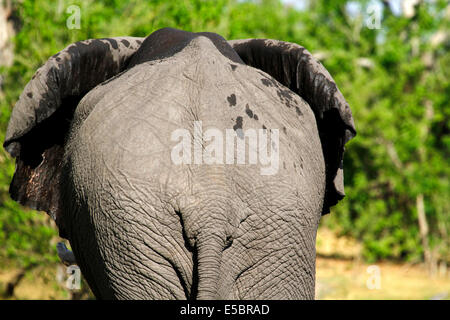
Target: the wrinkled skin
(93, 148)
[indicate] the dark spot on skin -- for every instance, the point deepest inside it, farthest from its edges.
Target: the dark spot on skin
(238, 127)
(125, 43)
(297, 109)
(58, 59)
(284, 130)
(248, 111)
(267, 82)
(238, 124)
(232, 100)
(112, 42)
(139, 42)
(30, 95)
(233, 66)
(264, 127)
(285, 96)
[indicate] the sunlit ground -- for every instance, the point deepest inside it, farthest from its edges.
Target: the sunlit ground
(338, 279)
(340, 275)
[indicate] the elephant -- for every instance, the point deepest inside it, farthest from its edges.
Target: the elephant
(92, 135)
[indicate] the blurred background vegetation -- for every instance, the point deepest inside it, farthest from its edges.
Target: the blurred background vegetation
(389, 58)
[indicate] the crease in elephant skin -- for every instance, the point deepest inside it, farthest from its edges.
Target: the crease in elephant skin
(91, 136)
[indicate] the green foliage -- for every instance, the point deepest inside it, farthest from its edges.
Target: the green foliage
(400, 105)
(399, 101)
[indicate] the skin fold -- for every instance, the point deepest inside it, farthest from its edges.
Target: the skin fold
(91, 134)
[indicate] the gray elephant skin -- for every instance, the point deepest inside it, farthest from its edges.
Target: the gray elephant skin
(91, 134)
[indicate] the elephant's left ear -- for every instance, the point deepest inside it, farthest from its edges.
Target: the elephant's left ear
(294, 67)
(41, 117)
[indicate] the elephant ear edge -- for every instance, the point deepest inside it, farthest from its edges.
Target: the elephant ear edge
(41, 117)
(294, 67)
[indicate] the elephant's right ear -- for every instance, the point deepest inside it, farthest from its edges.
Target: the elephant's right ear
(295, 67)
(42, 115)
